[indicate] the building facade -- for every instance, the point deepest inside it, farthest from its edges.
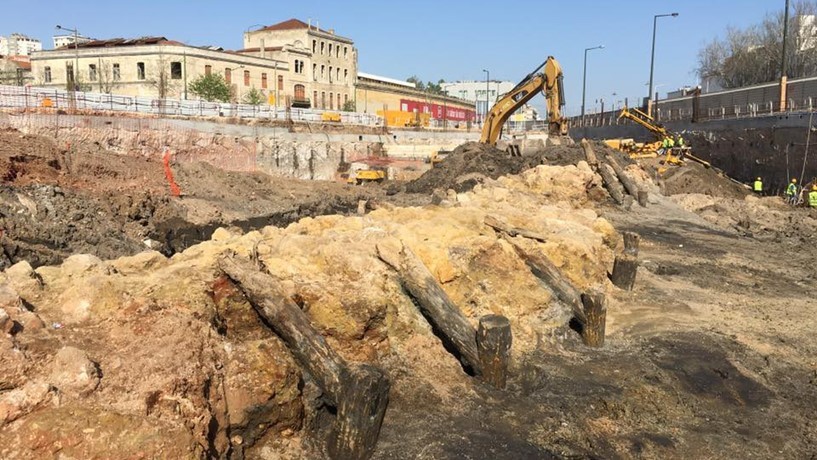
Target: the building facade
(322, 62)
(376, 94)
(156, 67)
(19, 45)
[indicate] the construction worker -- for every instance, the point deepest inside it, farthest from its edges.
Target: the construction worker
(680, 141)
(758, 186)
(812, 196)
(791, 192)
(664, 146)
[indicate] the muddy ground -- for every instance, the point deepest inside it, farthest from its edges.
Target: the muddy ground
(711, 356)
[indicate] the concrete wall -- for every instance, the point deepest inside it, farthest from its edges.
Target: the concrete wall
(272, 150)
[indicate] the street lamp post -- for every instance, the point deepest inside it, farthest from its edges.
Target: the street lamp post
(75, 73)
(487, 94)
(584, 74)
(652, 57)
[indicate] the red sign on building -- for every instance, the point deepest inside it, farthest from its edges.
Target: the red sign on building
(437, 111)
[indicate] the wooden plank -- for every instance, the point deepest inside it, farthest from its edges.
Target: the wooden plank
(360, 413)
(595, 312)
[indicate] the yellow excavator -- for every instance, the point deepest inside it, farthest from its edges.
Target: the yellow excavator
(673, 156)
(546, 78)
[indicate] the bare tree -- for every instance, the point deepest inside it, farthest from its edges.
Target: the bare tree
(161, 79)
(753, 55)
(105, 76)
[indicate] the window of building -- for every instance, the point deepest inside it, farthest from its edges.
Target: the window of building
(345, 52)
(330, 74)
(140, 70)
(323, 72)
(280, 82)
(246, 78)
(331, 101)
(47, 74)
(345, 99)
(228, 75)
(208, 69)
(314, 98)
(176, 70)
(337, 55)
(346, 75)
(322, 45)
(300, 92)
(117, 74)
(330, 50)
(314, 46)
(69, 72)
(337, 74)
(92, 72)
(323, 99)
(315, 72)
(299, 66)
(263, 80)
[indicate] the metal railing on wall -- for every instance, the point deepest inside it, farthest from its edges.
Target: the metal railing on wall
(20, 97)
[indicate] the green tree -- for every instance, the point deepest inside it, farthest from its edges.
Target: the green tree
(211, 88)
(349, 106)
(417, 82)
(254, 97)
(435, 88)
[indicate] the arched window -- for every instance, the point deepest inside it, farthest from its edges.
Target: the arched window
(300, 92)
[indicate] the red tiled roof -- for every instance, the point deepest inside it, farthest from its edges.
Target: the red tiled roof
(23, 62)
(289, 24)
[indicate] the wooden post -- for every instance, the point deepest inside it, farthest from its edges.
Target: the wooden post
(435, 304)
(360, 413)
(631, 241)
(625, 179)
(359, 393)
(361, 207)
(543, 268)
(611, 183)
(494, 339)
(595, 312)
(592, 160)
(625, 268)
(642, 198)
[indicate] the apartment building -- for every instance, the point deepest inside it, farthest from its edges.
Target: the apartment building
(19, 45)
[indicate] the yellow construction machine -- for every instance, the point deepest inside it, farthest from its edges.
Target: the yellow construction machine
(673, 156)
(546, 78)
(366, 175)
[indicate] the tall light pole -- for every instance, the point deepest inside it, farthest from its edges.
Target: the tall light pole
(584, 74)
(75, 73)
(652, 58)
(487, 94)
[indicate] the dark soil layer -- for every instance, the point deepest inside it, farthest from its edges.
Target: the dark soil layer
(469, 163)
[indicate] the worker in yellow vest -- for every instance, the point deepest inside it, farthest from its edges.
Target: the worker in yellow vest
(758, 186)
(791, 192)
(812, 196)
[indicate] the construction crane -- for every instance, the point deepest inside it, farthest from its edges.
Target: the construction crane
(546, 78)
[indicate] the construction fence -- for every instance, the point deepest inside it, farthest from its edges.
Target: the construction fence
(749, 102)
(26, 97)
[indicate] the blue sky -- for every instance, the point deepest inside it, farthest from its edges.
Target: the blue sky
(452, 40)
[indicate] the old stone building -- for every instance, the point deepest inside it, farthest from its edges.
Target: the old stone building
(378, 95)
(155, 67)
(322, 62)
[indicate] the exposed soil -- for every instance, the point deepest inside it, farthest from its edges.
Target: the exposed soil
(472, 162)
(710, 356)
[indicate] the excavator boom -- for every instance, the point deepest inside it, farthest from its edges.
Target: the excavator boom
(546, 78)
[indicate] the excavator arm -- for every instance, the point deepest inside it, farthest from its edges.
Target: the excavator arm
(646, 121)
(546, 78)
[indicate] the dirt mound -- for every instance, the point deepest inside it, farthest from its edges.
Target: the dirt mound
(469, 163)
(695, 178)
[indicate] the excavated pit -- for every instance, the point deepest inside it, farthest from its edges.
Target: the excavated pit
(710, 355)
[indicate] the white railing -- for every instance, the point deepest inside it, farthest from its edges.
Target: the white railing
(20, 97)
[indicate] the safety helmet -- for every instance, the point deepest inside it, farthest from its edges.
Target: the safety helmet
(814, 187)
(758, 178)
(794, 181)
